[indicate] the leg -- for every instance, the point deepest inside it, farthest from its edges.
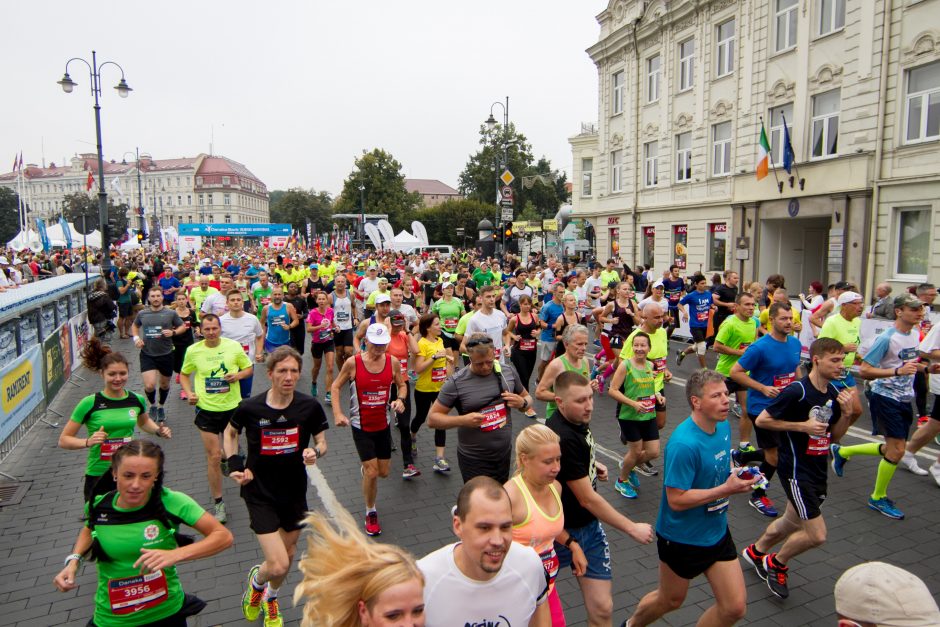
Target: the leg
(650, 450)
(667, 597)
(812, 533)
(328, 357)
(315, 372)
(631, 458)
(277, 558)
(150, 384)
(727, 582)
(779, 530)
(597, 601)
(744, 423)
(923, 435)
(370, 486)
(210, 442)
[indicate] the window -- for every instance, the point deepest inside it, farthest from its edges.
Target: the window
(587, 172)
(177, 180)
(717, 246)
(777, 117)
(825, 124)
(201, 203)
(189, 200)
(226, 180)
(831, 16)
(616, 180)
(649, 245)
(199, 180)
(209, 202)
(725, 51)
(228, 219)
(179, 201)
(923, 102)
(616, 103)
(785, 24)
(169, 201)
(686, 64)
(913, 242)
(226, 199)
(651, 164)
(684, 157)
(653, 73)
(721, 149)
(680, 245)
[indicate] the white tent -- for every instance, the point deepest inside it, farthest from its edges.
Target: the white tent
(56, 237)
(404, 241)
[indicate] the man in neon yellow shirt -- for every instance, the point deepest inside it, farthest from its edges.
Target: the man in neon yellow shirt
(736, 333)
(779, 296)
(609, 275)
(327, 269)
(199, 294)
(845, 327)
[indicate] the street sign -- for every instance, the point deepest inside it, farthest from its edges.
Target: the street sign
(505, 202)
(549, 225)
(507, 214)
(506, 177)
(506, 193)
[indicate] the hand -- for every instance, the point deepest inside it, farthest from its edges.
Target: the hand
(242, 477)
(846, 398)
(667, 376)
(139, 343)
(660, 399)
(641, 532)
(737, 485)
(167, 332)
(473, 420)
(231, 377)
(440, 355)
(685, 318)
(769, 391)
(909, 367)
(506, 350)
(192, 398)
(340, 420)
(934, 368)
(578, 560)
(614, 320)
(259, 358)
(153, 560)
(65, 580)
(601, 471)
(398, 406)
(814, 427)
(595, 385)
(310, 457)
(164, 432)
(97, 437)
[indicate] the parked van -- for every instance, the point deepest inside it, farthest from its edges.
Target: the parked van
(440, 249)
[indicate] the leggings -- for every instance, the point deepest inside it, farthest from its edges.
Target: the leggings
(524, 361)
(920, 393)
(402, 420)
(423, 402)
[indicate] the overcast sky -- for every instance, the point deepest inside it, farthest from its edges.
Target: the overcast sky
(296, 90)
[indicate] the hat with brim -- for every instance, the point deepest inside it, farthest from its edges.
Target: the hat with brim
(377, 333)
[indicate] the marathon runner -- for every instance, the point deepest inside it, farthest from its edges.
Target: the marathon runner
(845, 326)
(673, 287)
(321, 326)
(735, 334)
(696, 306)
(575, 340)
(344, 316)
(432, 364)
(277, 320)
(261, 293)
(383, 306)
(449, 309)
(490, 321)
(245, 329)
(524, 329)
(154, 328)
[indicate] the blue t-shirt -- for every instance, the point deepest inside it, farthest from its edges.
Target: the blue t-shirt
(701, 304)
(251, 271)
(549, 314)
(769, 362)
(672, 288)
(168, 283)
(695, 460)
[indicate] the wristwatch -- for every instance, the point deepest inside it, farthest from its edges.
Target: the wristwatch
(569, 541)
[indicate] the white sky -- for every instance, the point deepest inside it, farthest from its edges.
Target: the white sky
(296, 90)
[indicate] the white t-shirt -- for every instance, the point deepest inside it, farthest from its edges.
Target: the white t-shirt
(663, 304)
(509, 598)
(367, 286)
(410, 314)
(928, 344)
(245, 330)
(491, 324)
(216, 303)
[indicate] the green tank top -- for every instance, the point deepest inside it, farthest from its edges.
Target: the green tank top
(550, 407)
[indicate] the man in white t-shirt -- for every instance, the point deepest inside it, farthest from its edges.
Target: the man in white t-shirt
(490, 321)
(486, 578)
(246, 330)
(217, 302)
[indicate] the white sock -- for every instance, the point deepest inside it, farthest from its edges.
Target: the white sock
(270, 592)
(370, 510)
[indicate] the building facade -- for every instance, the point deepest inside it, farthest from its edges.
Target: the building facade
(206, 188)
(667, 174)
(432, 191)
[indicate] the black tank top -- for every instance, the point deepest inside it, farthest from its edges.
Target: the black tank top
(624, 325)
(560, 346)
(524, 330)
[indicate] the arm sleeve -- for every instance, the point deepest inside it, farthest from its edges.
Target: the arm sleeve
(188, 365)
(750, 358)
(780, 406)
(878, 349)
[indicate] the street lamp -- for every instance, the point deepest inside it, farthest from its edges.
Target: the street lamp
(491, 125)
(123, 90)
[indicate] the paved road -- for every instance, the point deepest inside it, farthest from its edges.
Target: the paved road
(36, 535)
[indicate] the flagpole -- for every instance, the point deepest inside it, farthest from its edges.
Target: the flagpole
(788, 145)
(771, 159)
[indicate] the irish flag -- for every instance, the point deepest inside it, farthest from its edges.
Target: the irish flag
(763, 153)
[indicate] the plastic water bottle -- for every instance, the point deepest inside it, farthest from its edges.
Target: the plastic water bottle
(819, 444)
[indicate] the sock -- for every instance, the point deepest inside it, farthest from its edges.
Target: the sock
(255, 584)
(883, 478)
(757, 553)
(270, 592)
(370, 510)
(609, 370)
(218, 500)
(768, 471)
(163, 395)
(151, 396)
(869, 448)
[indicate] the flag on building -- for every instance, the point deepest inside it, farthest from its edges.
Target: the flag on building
(116, 186)
(763, 154)
(90, 182)
(788, 156)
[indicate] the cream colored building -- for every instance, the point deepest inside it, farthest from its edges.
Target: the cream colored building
(667, 175)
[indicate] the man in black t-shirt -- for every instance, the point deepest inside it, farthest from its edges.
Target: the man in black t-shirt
(809, 415)
(279, 425)
(428, 280)
(583, 507)
(724, 296)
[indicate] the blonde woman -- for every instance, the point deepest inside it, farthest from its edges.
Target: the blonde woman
(537, 516)
(350, 581)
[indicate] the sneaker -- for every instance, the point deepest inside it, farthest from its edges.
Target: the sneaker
(441, 465)
(909, 462)
(776, 577)
(625, 489)
(597, 343)
(218, 510)
(634, 480)
(328, 397)
(182, 395)
(313, 390)
(272, 613)
(372, 524)
(410, 471)
(177, 379)
(680, 357)
(736, 457)
(601, 382)
(838, 462)
(757, 561)
(886, 507)
(935, 472)
(746, 447)
(647, 469)
(936, 439)
(223, 464)
(530, 413)
(764, 505)
(251, 599)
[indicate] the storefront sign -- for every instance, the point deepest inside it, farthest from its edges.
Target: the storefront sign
(613, 221)
(680, 243)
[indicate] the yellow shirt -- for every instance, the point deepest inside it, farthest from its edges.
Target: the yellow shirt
(432, 379)
(765, 318)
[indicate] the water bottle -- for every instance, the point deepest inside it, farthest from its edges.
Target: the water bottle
(819, 444)
(751, 472)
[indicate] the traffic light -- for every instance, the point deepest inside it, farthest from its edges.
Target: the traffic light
(495, 236)
(508, 231)
(112, 228)
(140, 236)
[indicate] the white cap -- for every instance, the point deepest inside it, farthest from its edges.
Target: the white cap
(378, 334)
(3, 260)
(382, 298)
(875, 592)
(658, 284)
(446, 285)
(849, 297)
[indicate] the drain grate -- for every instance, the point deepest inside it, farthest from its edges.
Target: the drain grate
(12, 493)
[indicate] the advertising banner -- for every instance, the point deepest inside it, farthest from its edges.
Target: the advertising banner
(235, 230)
(189, 244)
(79, 333)
(57, 357)
(22, 390)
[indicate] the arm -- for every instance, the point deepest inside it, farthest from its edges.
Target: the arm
(721, 349)
(598, 505)
(65, 580)
(740, 376)
(809, 427)
(819, 318)
(216, 539)
(681, 500)
(543, 391)
(616, 382)
(346, 374)
(867, 371)
(263, 319)
(146, 424)
(439, 418)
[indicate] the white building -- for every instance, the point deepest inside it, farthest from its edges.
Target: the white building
(667, 175)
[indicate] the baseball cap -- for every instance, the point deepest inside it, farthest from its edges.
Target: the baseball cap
(849, 297)
(908, 300)
(659, 284)
(382, 298)
(432, 262)
(443, 287)
(3, 260)
(377, 333)
(396, 317)
(842, 285)
(875, 592)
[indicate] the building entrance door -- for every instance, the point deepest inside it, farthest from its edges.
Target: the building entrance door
(795, 248)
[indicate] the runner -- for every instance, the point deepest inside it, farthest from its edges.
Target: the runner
(735, 334)
(548, 315)
(284, 431)
(298, 334)
(383, 306)
(923, 435)
(569, 316)
(809, 414)
(321, 326)
(845, 326)
(461, 329)
(158, 325)
(371, 375)
(700, 301)
(621, 314)
(183, 341)
(449, 309)
(510, 301)
(492, 322)
(403, 347)
(217, 302)
(132, 533)
(575, 339)
(277, 320)
(261, 293)
(202, 291)
(674, 286)
(245, 329)
(344, 315)
(215, 363)
(524, 329)
(109, 416)
(432, 364)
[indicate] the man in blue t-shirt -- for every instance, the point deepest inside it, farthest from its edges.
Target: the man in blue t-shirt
(696, 307)
(692, 526)
(767, 366)
(169, 284)
(673, 286)
(548, 315)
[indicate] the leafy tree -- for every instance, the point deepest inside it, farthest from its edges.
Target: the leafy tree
(379, 177)
(296, 206)
(443, 220)
(9, 221)
(77, 204)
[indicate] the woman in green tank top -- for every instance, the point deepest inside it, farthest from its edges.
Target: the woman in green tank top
(575, 340)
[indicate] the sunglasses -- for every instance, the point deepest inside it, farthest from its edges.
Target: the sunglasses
(479, 341)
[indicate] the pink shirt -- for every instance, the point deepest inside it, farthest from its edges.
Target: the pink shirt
(316, 318)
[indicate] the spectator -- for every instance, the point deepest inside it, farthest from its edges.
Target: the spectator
(879, 594)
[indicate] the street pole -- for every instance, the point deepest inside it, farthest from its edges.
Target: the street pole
(140, 194)
(491, 123)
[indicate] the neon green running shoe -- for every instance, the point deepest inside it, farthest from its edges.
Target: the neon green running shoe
(272, 613)
(251, 600)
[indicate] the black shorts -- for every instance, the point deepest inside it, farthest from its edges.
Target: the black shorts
(890, 418)
(161, 363)
(638, 430)
(674, 318)
(733, 386)
(689, 561)
(267, 516)
(764, 438)
(96, 486)
(213, 421)
(616, 342)
(373, 444)
(698, 333)
(343, 338)
(125, 310)
(807, 498)
(450, 342)
(318, 349)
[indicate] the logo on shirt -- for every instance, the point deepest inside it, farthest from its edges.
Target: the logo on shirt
(281, 418)
(132, 413)
(264, 422)
(500, 621)
(151, 532)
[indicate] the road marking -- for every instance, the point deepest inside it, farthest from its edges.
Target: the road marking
(325, 492)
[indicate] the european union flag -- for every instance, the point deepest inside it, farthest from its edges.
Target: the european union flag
(788, 156)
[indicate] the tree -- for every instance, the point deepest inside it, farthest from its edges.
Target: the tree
(442, 221)
(296, 206)
(9, 221)
(77, 204)
(378, 181)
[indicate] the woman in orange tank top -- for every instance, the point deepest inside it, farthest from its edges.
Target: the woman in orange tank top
(537, 517)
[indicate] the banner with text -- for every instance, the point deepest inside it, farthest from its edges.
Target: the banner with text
(79, 334)
(22, 390)
(57, 358)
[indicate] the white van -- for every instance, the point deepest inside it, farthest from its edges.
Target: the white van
(441, 249)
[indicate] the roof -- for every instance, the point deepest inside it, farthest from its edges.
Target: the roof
(427, 187)
(224, 165)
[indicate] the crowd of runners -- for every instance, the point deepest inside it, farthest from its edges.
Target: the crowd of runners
(465, 344)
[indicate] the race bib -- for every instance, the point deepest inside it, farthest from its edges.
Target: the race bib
(152, 332)
(245, 348)
(265, 300)
(717, 507)
(110, 446)
(216, 385)
(404, 364)
(550, 562)
(450, 323)
(647, 404)
(906, 354)
(188, 324)
(743, 345)
(375, 399)
(342, 316)
(659, 365)
(280, 441)
(818, 444)
(325, 335)
(494, 417)
(783, 380)
(134, 594)
(438, 374)
(701, 316)
(527, 344)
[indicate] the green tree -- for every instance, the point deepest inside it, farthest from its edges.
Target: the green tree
(296, 206)
(77, 204)
(443, 220)
(378, 180)
(9, 221)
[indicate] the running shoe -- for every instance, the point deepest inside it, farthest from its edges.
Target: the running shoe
(441, 465)
(414, 446)
(746, 447)
(838, 462)
(922, 420)
(531, 413)
(625, 489)
(182, 395)
(764, 505)
(223, 464)
(372, 524)
(328, 397)
(251, 600)
(757, 561)
(634, 479)
(776, 577)
(410, 471)
(218, 510)
(886, 507)
(597, 343)
(601, 382)
(935, 472)
(272, 613)
(647, 469)
(313, 390)
(736, 457)
(680, 357)
(909, 462)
